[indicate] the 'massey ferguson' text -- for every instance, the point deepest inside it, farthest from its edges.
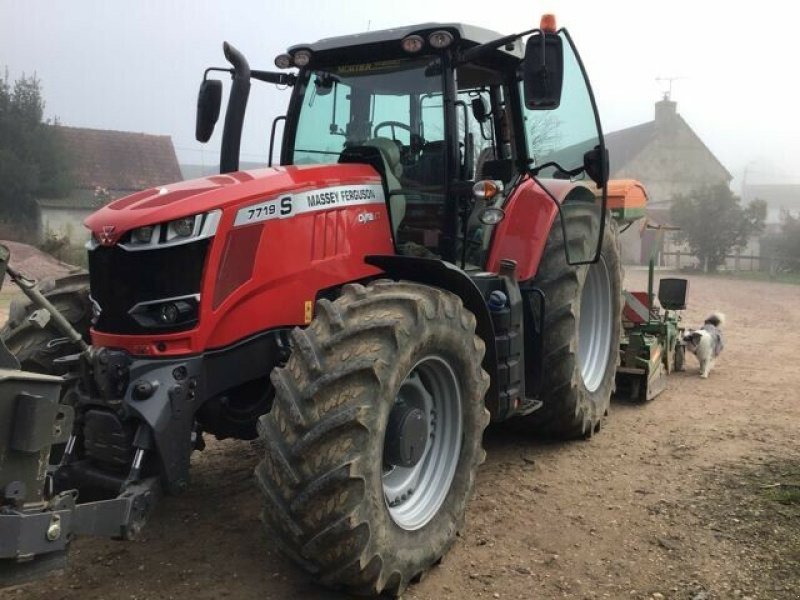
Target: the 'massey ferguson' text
(290, 205)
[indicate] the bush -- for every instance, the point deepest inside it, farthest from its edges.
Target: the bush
(786, 244)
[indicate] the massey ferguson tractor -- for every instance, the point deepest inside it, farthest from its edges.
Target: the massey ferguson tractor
(432, 253)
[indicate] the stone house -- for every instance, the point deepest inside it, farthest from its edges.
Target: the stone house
(105, 165)
(669, 158)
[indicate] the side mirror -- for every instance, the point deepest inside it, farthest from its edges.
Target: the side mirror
(5, 255)
(595, 163)
(209, 100)
(479, 110)
(543, 71)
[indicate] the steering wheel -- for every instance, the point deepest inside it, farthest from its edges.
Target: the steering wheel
(410, 153)
(393, 125)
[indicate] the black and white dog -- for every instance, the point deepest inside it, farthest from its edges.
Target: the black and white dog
(706, 343)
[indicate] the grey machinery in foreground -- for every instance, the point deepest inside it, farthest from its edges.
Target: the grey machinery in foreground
(36, 525)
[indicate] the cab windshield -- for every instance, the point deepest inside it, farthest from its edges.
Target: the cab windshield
(395, 106)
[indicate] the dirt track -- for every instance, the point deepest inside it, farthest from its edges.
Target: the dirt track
(668, 501)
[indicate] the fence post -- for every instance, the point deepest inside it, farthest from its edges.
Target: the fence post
(736, 259)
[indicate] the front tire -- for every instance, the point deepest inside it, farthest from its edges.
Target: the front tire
(349, 494)
(37, 348)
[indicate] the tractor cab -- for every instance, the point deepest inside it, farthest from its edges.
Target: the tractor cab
(453, 117)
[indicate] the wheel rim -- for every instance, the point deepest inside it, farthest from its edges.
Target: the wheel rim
(413, 495)
(595, 326)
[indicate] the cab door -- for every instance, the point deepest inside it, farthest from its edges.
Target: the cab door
(567, 156)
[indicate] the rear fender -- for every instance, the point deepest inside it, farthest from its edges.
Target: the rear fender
(530, 214)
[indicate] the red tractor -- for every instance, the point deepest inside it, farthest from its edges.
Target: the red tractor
(432, 253)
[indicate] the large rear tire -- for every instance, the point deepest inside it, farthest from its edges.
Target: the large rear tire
(37, 348)
(345, 497)
(581, 335)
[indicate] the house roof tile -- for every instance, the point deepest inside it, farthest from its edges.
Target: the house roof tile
(625, 144)
(119, 160)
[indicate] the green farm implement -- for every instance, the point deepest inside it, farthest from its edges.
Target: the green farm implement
(651, 346)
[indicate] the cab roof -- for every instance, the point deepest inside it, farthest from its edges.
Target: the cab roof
(466, 35)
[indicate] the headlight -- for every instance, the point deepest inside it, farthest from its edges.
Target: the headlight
(143, 235)
(168, 312)
(302, 58)
(440, 39)
(491, 215)
(171, 233)
(412, 43)
(180, 228)
(283, 61)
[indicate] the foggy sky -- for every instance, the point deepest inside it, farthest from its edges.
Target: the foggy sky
(135, 65)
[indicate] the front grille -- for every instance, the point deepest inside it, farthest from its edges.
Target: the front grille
(120, 279)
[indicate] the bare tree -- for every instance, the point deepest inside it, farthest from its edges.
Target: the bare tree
(544, 137)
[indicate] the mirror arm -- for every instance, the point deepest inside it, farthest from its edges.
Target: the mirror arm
(273, 77)
(265, 76)
(533, 171)
(478, 51)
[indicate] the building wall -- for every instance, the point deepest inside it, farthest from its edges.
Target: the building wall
(64, 222)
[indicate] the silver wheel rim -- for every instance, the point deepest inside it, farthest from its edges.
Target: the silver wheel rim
(414, 495)
(595, 326)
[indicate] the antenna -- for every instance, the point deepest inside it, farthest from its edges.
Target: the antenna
(669, 80)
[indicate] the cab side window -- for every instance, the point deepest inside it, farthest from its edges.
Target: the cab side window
(558, 141)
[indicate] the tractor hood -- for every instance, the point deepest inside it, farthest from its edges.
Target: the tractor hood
(218, 192)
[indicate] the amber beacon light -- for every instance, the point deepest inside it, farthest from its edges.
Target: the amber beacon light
(548, 23)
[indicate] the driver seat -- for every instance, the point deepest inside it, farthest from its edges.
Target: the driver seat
(393, 168)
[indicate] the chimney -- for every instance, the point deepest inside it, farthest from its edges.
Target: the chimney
(666, 113)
